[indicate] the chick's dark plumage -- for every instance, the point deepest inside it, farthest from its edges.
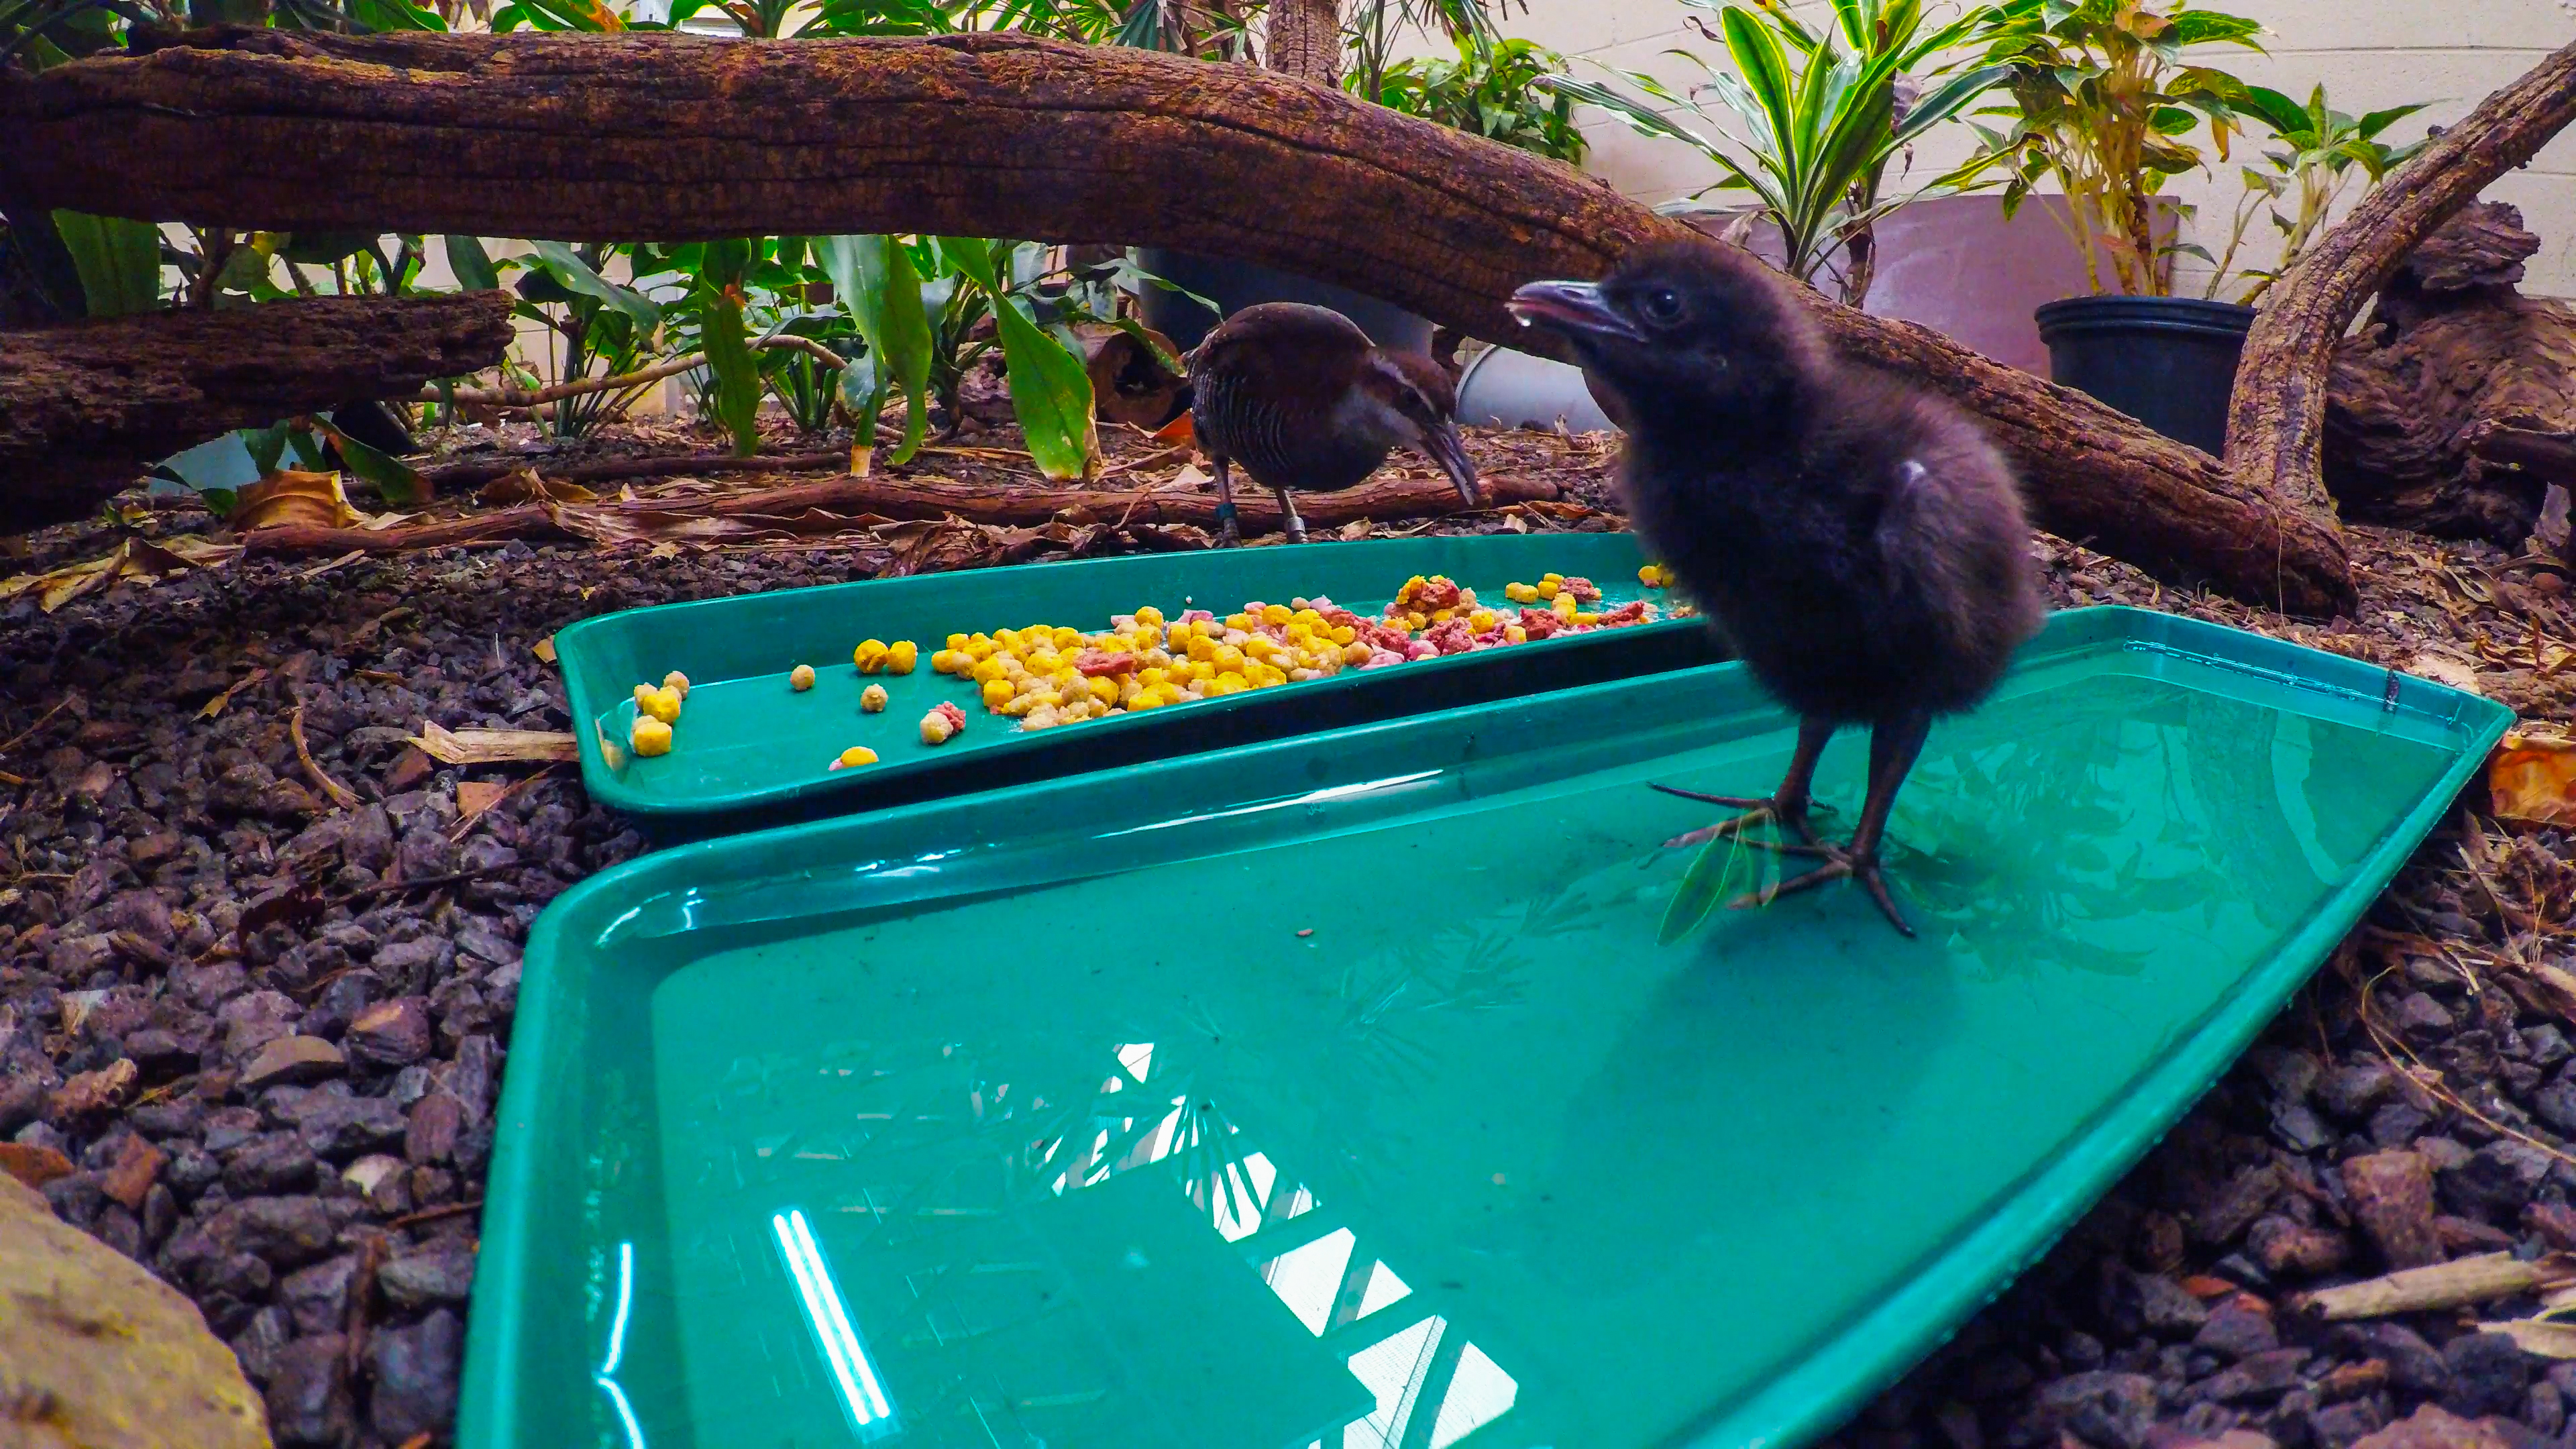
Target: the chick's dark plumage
(1306, 403)
(1859, 542)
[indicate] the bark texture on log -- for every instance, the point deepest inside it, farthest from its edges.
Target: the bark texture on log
(1305, 40)
(2454, 410)
(651, 137)
(2276, 424)
(836, 505)
(85, 408)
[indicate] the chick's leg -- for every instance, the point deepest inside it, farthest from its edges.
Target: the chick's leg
(1786, 805)
(1228, 532)
(1893, 748)
(1288, 509)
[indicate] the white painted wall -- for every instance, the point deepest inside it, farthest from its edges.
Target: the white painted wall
(2369, 54)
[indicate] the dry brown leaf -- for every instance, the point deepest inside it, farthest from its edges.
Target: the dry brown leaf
(2442, 669)
(139, 559)
(527, 485)
(223, 701)
(2532, 776)
(287, 496)
(473, 797)
(492, 747)
(1177, 432)
(340, 794)
(545, 650)
(343, 561)
(2541, 1337)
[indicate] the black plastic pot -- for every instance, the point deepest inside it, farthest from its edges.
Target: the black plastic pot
(2169, 362)
(1236, 285)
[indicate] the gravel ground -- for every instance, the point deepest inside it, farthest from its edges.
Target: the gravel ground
(254, 1039)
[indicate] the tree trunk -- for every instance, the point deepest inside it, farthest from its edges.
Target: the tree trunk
(645, 137)
(2276, 425)
(87, 407)
(1305, 40)
(2454, 411)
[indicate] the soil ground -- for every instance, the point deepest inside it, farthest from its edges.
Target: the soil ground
(253, 1038)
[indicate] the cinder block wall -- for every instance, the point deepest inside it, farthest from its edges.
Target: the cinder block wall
(2369, 54)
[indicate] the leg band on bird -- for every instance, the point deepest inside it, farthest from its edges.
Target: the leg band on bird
(1295, 526)
(1227, 529)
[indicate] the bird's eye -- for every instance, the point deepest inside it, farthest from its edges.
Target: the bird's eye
(1662, 306)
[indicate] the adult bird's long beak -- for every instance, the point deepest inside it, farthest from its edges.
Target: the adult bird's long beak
(1571, 307)
(1445, 449)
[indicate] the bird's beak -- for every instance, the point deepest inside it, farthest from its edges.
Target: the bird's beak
(1575, 308)
(1445, 449)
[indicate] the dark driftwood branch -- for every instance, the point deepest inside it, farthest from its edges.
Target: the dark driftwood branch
(999, 135)
(837, 505)
(86, 408)
(2276, 426)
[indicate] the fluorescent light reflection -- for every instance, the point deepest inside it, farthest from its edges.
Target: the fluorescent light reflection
(606, 1377)
(862, 1396)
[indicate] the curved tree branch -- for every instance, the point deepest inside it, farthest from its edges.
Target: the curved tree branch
(671, 137)
(2276, 424)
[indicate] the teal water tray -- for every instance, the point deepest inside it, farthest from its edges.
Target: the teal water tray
(1334, 1091)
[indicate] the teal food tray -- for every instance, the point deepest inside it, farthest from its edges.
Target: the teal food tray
(1334, 1091)
(751, 751)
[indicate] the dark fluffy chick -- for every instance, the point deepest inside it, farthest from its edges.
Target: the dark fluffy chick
(1305, 402)
(1858, 541)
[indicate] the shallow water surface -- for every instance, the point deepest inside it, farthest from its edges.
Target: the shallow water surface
(1378, 1118)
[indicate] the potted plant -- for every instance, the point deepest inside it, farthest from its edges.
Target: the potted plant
(2320, 150)
(2104, 105)
(1818, 116)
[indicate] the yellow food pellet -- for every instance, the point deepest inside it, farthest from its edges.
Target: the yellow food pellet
(857, 755)
(1356, 653)
(801, 678)
(873, 699)
(1146, 699)
(944, 662)
(997, 692)
(934, 728)
(1238, 621)
(663, 704)
(1007, 638)
(1442, 617)
(957, 641)
(676, 680)
(1105, 689)
(1515, 634)
(1652, 576)
(1277, 614)
(980, 649)
(1481, 620)
(1551, 579)
(1563, 607)
(1226, 657)
(869, 656)
(1230, 683)
(1345, 634)
(1067, 639)
(988, 670)
(1547, 588)
(1149, 616)
(1520, 593)
(643, 692)
(1417, 622)
(901, 658)
(649, 736)
(1583, 618)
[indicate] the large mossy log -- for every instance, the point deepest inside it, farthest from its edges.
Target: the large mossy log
(85, 408)
(672, 138)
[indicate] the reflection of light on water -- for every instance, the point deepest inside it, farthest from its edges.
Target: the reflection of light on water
(607, 1375)
(1479, 1393)
(861, 1395)
(1311, 797)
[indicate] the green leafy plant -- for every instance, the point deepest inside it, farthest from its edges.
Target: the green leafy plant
(2320, 151)
(2104, 104)
(1492, 89)
(1818, 116)
(874, 281)
(1050, 390)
